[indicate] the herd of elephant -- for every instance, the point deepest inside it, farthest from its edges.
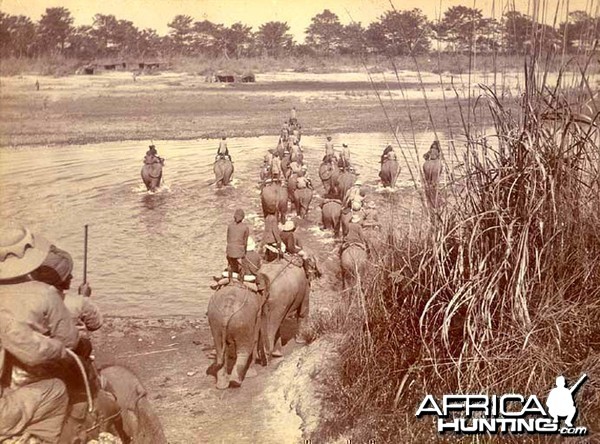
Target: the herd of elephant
(250, 321)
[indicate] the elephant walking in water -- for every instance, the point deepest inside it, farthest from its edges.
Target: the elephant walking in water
(302, 199)
(328, 173)
(390, 169)
(234, 319)
(223, 169)
(152, 175)
(331, 212)
(343, 183)
(274, 200)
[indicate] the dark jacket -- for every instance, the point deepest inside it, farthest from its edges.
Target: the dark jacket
(355, 234)
(271, 235)
(237, 238)
(292, 245)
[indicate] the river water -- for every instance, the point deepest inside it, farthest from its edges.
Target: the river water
(155, 254)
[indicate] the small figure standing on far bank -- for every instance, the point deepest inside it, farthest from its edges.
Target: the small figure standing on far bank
(37, 85)
(223, 151)
(432, 169)
(237, 240)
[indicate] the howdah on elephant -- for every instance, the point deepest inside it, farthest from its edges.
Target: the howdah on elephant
(223, 169)
(152, 175)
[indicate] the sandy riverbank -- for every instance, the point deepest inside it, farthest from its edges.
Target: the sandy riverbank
(109, 107)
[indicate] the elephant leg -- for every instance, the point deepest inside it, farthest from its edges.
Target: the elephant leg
(301, 316)
(239, 368)
(278, 346)
(222, 376)
(217, 334)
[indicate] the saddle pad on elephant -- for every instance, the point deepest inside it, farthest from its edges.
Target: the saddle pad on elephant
(294, 259)
(327, 200)
(225, 281)
(345, 246)
(247, 277)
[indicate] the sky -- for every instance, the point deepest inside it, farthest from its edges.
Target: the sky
(157, 14)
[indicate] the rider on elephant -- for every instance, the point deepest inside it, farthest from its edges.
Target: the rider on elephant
(271, 238)
(296, 133)
(306, 178)
(293, 118)
(292, 244)
(276, 172)
(344, 161)
(384, 156)
(355, 194)
(355, 235)
(295, 167)
(329, 148)
(56, 270)
(223, 151)
(152, 156)
(237, 239)
(252, 261)
(36, 329)
(371, 216)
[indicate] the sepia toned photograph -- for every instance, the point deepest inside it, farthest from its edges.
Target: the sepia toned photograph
(267, 221)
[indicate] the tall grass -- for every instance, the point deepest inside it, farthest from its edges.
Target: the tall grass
(500, 293)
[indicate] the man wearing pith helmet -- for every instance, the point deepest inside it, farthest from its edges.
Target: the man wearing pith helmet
(36, 329)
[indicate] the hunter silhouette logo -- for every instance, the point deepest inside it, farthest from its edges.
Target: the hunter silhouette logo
(509, 413)
(560, 400)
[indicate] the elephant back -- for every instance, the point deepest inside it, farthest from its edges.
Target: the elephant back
(283, 275)
(353, 258)
(153, 170)
(270, 197)
(228, 300)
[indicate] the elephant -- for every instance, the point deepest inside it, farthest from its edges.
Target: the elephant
(328, 173)
(223, 168)
(331, 212)
(345, 221)
(234, 316)
(274, 200)
(152, 175)
(288, 287)
(139, 421)
(390, 169)
(292, 184)
(353, 260)
(432, 169)
(120, 405)
(302, 199)
(343, 183)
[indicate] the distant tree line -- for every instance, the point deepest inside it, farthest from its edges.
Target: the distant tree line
(407, 32)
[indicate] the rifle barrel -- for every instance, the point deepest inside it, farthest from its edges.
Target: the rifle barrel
(85, 251)
(578, 383)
